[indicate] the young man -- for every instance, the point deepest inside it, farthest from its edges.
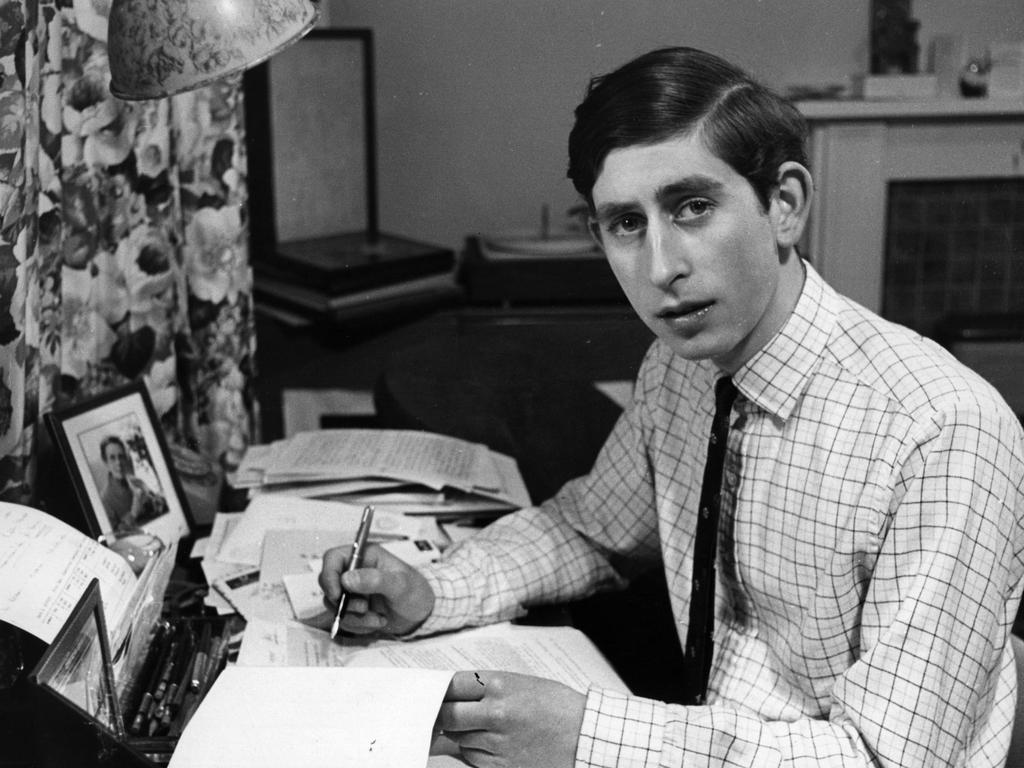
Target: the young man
(869, 541)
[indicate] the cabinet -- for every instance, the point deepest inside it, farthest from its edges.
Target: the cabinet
(859, 147)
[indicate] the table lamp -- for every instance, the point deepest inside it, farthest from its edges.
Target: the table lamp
(161, 47)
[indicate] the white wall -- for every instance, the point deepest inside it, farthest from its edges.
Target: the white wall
(475, 97)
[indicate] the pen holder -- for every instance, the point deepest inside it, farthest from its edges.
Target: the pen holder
(124, 705)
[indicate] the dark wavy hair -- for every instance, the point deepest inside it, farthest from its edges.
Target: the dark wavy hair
(677, 91)
(108, 441)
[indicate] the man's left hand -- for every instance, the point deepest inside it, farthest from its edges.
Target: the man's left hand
(501, 719)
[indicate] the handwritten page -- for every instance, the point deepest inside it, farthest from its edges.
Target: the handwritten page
(358, 718)
(511, 487)
(244, 544)
(45, 566)
(557, 653)
(422, 457)
(290, 644)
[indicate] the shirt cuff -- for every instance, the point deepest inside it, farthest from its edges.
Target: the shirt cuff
(620, 730)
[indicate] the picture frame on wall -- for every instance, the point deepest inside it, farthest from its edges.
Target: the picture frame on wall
(318, 254)
(120, 466)
(311, 141)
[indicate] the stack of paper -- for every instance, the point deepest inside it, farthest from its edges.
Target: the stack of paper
(411, 472)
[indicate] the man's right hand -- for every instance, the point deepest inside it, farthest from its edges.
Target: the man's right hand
(385, 595)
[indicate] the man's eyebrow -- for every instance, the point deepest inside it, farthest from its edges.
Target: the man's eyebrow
(696, 185)
(607, 211)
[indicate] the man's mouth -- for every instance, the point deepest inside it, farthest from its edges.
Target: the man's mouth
(685, 312)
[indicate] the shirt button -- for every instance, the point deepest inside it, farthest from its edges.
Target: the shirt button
(704, 512)
(696, 585)
(714, 438)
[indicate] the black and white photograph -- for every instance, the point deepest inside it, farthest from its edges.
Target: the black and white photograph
(117, 455)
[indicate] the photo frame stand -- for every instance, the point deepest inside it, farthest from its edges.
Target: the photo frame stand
(119, 466)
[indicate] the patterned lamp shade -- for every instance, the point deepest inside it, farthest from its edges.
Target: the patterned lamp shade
(161, 47)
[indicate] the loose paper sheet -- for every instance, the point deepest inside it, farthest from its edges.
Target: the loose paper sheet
(45, 566)
(290, 644)
(311, 717)
(215, 569)
(558, 653)
(244, 544)
(422, 457)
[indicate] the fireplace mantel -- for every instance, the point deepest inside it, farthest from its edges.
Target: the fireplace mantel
(858, 147)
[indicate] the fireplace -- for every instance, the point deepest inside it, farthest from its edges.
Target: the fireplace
(953, 247)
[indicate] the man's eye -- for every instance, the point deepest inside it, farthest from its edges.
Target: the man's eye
(694, 209)
(626, 225)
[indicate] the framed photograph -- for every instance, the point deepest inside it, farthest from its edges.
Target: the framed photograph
(119, 464)
(310, 136)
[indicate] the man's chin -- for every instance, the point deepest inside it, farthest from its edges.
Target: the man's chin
(695, 348)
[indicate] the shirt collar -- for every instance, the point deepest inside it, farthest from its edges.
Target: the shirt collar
(776, 377)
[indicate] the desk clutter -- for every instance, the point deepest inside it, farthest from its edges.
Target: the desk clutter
(141, 681)
(115, 660)
(415, 472)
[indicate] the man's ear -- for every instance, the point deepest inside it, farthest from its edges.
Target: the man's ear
(791, 203)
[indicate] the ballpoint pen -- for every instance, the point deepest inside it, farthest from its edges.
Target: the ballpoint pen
(355, 561)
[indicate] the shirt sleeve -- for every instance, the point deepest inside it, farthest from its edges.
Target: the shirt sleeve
(933, 682)
(593, 535)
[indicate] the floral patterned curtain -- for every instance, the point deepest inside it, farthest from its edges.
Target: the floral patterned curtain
(123, 243)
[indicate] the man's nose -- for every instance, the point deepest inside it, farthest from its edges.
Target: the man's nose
(668, 258)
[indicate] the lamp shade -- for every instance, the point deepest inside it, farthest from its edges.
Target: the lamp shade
(161, 47)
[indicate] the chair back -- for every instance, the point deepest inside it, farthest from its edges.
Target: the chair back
(1015, 758)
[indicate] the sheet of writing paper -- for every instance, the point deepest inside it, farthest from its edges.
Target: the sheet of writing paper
(266, 513)
(307, 598)
(253, 598)
(45, 566)
(511, 487)
(267, 717)
(253, 465)
(422, 457)
(291, 562)
(215, 569)
(223, 524)
(557, 653)
(290, 644)
(295, 551)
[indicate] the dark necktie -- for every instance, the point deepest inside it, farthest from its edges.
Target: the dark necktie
(699, 644)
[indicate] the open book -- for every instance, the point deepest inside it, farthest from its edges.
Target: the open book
(377, 708)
